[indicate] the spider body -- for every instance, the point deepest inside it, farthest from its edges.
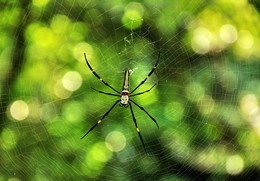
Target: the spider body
(124, 101)
(125, 97)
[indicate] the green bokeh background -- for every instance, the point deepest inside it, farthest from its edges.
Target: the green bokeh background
(206, 101)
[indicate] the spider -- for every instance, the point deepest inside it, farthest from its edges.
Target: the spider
(125, 95)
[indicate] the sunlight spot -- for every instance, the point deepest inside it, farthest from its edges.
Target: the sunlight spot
(96, 158)
(100, 152)
(135, 6)
(133, 16)
(60, 91)
(174, 111)
(19, 110)
(72, 80)
(115, 141)
(59, 23)
(228, 33)
(255, 121)
(234, 165)
(44, 37)
(249, 104)
(201, 40)
(40, 3)
(73, 111)
(245, 39)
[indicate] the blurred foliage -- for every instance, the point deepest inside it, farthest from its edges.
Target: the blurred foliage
(206, 101)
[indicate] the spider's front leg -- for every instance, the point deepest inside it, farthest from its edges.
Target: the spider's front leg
(85, 56)
(105, 92)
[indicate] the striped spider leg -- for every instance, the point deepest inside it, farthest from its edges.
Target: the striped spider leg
(124, 95)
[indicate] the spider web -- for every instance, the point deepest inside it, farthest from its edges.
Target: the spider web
(206, 100)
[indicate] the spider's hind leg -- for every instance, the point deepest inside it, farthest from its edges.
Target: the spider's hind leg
(99, 121)
(154, 120)
(137, 129)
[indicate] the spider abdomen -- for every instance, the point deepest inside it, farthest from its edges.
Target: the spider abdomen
(124, 99)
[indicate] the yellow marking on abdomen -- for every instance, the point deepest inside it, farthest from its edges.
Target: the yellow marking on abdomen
(100, 79)
(99, 122)
(147, 76)
(137, 129)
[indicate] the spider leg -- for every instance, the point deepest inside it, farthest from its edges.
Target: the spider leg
(137, 129)
(105, 92)
(145, 112)
(144, 91)
(99, 121)
(98, 75)
(156, 63)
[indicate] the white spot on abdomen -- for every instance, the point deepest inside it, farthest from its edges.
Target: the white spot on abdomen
(124, 99)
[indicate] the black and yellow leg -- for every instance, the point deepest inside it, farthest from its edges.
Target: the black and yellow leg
(99, 121)
(144, 111)
(144, 91)
(137, 129)
(106, 93)
(151, 72)
(98, 75)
